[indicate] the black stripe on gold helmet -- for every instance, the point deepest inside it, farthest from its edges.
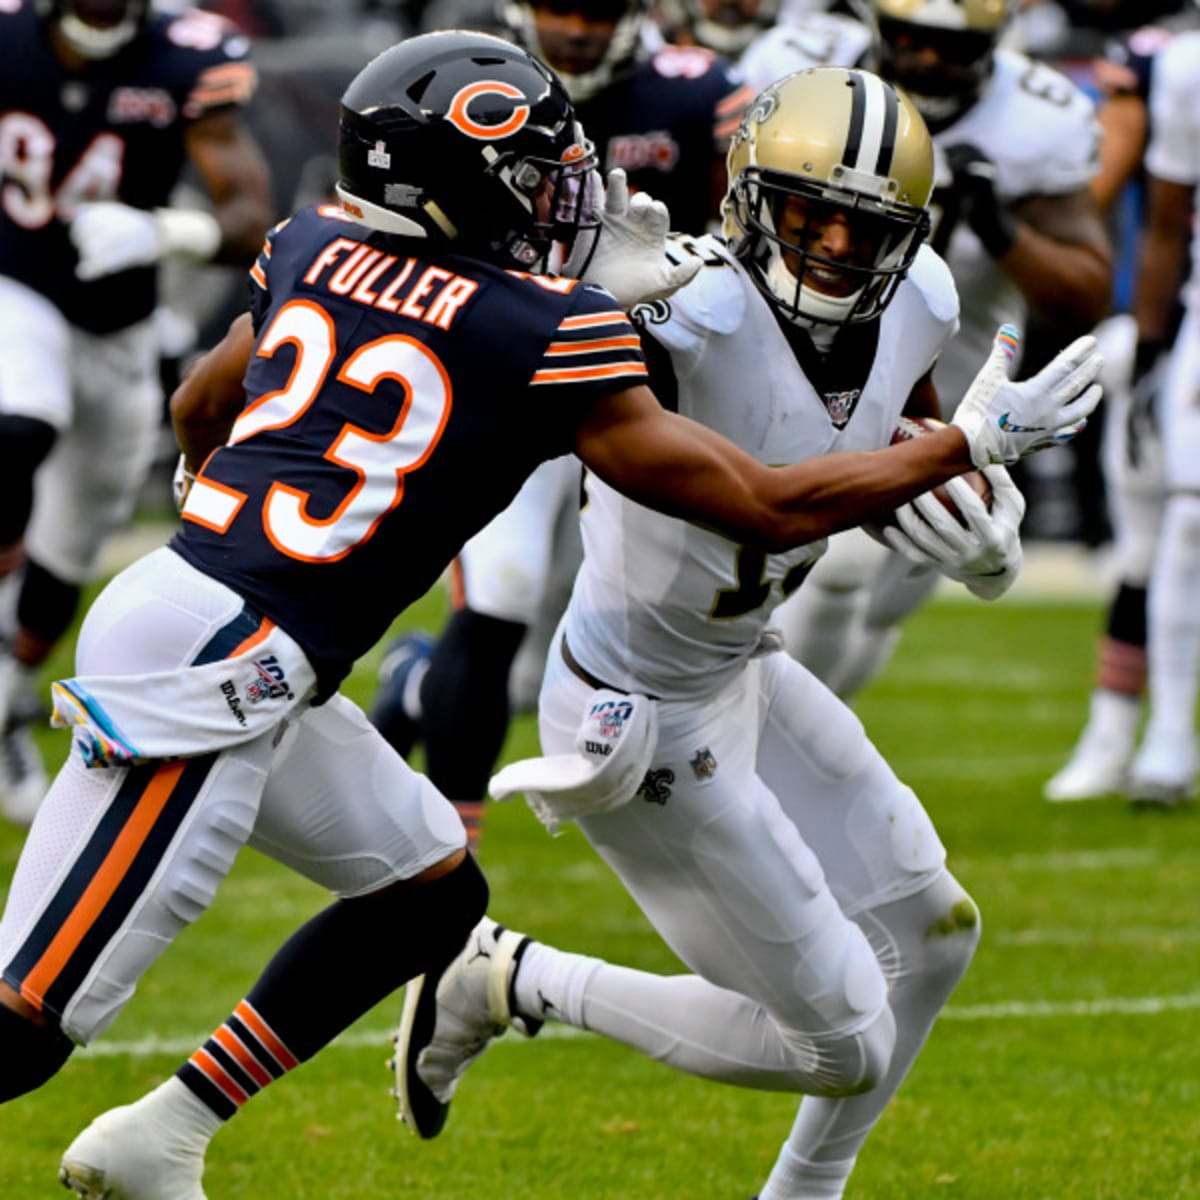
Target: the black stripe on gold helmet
(829, 144)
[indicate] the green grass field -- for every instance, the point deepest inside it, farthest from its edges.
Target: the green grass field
(1067, 1066)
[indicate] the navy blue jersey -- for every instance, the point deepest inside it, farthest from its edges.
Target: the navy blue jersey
(665, 123)
(1132, 55)
(111, 131)
(396, 401)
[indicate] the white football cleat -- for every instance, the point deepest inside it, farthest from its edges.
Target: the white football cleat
(139, 1152)
(23, 779)
(1163, 772)
(448, 1021)
(1092, 771)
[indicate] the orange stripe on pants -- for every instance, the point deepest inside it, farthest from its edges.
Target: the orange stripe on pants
(104, 883)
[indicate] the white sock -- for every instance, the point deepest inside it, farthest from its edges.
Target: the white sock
(1174, 611)
(795, 1178)
(550, 983)
(410, 697)
(182, 1112)
(1112, 722)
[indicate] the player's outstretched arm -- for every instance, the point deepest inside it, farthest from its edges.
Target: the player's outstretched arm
(680, 467)
(1004, 421)
(206, 404)
(670, 463)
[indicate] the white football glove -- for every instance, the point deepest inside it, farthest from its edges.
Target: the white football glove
(629, 258)
(1004, 421)
(986, 555)
(112, 237)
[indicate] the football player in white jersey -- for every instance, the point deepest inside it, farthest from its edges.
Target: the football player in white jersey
(1163, 771)
(1016, 145)
(739, 800)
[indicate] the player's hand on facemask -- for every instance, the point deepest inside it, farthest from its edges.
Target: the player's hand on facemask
(1003, 421)
(111, 237)
(629, 258)
(985, 555)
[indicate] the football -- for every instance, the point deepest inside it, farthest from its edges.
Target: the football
(911, 427)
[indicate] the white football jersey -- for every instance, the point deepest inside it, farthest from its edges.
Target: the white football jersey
(815, 39)
(1041, 132)
(664, 607)
(1174, 150)
(1037, 127)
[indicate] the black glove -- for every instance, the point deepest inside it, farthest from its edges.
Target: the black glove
(975, 186)
(1141, 424)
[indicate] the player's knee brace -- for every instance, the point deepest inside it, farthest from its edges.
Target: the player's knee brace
(31, 1054)
(24, 444)
(47, 604)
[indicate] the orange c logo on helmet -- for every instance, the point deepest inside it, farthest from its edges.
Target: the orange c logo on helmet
(461, 119)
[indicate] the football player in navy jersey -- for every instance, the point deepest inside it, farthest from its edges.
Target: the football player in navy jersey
(102, 103)
(405, 362)
(664, 117)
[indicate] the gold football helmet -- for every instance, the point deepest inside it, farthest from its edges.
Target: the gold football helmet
(829, 141)
(940, 51)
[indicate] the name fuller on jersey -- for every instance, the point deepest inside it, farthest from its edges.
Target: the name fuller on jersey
(359, 272)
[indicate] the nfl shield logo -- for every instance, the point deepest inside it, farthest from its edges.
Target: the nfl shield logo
(704, 765)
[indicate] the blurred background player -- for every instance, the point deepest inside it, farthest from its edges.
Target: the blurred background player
(664, 117)
(1132, 444)
(740, 802)
(102, 105)
(1021, 234)
(1163, 771)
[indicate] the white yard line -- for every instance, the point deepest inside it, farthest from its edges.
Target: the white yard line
(1015, 1010)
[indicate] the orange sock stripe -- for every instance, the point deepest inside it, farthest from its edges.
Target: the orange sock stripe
(244, 1058)
(261, 1030)
(218, 1077)
(105, 882)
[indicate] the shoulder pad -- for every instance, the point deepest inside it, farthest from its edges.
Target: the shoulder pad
(1057, 149)
(715, 300)
(816, 39)
(930, 275)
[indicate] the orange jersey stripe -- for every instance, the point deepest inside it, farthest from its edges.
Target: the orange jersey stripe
(261, 1030)
(458, 587)
(593, 319)
(616, 343)
(218, 1076)
(571, 374)
(256, 273)
(104, 883)
(735, 101)
(245, 1059)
